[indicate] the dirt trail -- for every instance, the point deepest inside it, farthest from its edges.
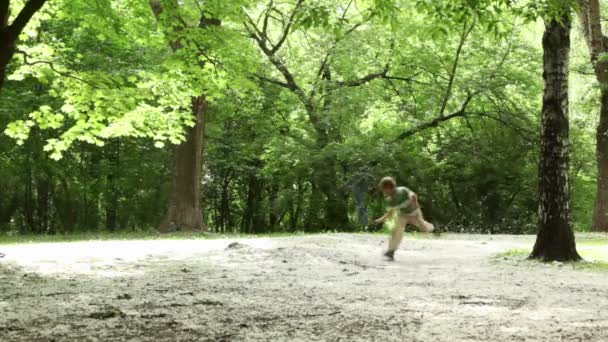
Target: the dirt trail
(312, 288)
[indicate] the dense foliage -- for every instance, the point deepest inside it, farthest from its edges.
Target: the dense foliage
(311, 102)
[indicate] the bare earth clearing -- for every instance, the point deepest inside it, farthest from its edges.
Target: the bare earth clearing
(312, 288)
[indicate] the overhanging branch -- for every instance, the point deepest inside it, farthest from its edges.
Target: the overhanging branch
(437, 121)
(274, 81)
(53, 68)
(287, 28)
(364, 79)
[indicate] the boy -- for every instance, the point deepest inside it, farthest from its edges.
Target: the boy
(403, 201)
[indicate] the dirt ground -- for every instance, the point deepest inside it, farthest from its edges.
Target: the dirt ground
(310, 288)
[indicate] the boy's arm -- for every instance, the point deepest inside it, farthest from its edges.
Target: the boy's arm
(388, 214)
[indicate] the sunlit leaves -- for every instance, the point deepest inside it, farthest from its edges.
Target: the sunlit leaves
(117, 77)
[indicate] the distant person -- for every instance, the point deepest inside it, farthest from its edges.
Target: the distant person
(404, 202)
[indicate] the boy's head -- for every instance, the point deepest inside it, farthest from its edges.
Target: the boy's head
(388, 185)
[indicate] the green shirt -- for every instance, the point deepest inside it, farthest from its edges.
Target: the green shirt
(400, 200)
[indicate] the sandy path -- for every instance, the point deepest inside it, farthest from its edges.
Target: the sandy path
(313, 288)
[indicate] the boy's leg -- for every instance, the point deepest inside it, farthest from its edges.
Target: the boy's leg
(419, 221)
(396, 237)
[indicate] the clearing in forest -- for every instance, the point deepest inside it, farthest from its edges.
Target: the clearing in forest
(306, 288)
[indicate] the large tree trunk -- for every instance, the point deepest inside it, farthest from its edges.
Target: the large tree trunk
(555, 239)
(184, 211)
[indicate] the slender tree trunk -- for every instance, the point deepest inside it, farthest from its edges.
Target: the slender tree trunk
(591, 24)
(184, 210)
(273, 218)
(336, 207)
(224, 214)
(296, 207)
(28, 200)
(600, 213)
(43, 194)
(555, 239)
(111, 201)
(251, 216)
(313, 221)
(93, 190)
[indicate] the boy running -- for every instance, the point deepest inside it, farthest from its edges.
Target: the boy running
(403, 201)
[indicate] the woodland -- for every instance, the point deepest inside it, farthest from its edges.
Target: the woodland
(208, 170)
(273, 116)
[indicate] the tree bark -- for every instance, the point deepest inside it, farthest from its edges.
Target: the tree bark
(10, 33)
(590, 18)
(184, 210)
(555, 239)
(600, 211)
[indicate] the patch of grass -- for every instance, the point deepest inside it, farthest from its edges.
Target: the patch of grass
(594, 254)
(592, 241)
(514, 253)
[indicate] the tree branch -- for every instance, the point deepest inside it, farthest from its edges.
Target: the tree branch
(53, 68)
(595, 37)
(584, 18)
(517, 129)
(448, 91)
(364, 79)
(274, 81)
(437, 121)
(324, 67)
(290, 82)
(27, 12)
(267, 16)
(287, 27)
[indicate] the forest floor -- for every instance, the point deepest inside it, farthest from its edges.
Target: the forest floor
(332, 287)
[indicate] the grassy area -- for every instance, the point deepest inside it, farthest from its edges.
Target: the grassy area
(593, 250)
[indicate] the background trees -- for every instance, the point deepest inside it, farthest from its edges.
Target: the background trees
(308, 104)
